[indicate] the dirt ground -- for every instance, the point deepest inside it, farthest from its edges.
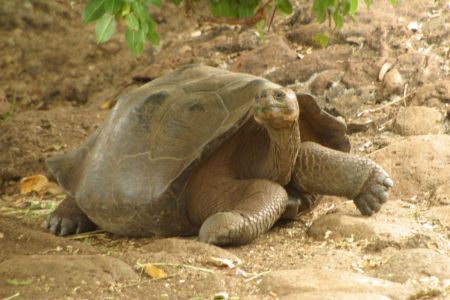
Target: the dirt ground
(387, 75)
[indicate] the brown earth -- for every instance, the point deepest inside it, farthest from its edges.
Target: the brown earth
(391, 84)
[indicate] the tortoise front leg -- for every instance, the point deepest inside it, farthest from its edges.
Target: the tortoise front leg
(241, 211)
(329, 172)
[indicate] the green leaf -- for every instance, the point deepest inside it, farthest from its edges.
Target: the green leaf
(153, 37)
(113, 6)
(125, 9)
(260, 28)
(176, 2)
(353, 7)
(284, 6)
(132, 22)
(394, 2)
(17, 282)
(368, 3)
(320, 10)
(140, 10)
(105, 28)
(338, 19)
(322, 39)
(135, 41)
(93, 10)
(345, 7)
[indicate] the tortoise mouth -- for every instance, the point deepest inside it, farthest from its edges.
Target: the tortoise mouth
(275, 115)
(274, 109)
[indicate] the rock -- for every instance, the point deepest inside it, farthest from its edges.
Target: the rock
(324, 81)
(439, 89)
(414, 264)
(248, 40)
(418, 120)
(360, 125)
(68, 270)
(393, 82)
(339, 226)
(416, 164)
(271, 55)
(314, 280)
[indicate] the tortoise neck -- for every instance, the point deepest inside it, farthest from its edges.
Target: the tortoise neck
(283, 151)
(266, 152)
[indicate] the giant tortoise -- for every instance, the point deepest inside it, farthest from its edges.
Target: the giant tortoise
(208, 151)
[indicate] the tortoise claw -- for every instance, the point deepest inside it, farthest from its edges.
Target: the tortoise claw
(375, 193)
(68, 219)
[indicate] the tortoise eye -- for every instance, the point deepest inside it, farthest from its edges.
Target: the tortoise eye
(279, 95)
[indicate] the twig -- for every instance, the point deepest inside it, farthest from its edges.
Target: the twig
(183, 266)
(257, 276)
(12, 297)
(86, 234)
(272, 17)
(388, 104)
(404, 95)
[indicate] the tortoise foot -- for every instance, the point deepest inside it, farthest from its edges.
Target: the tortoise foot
(68, 219)
(224, 228)
(375, 192)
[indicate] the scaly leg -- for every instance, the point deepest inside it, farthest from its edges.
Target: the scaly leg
(325, 171)
(238, 215)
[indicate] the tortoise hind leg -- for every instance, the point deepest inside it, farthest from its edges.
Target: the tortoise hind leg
(325, 171)
(240, 215)
(68, 219)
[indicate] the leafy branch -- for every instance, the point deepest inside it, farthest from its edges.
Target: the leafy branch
(140, 26)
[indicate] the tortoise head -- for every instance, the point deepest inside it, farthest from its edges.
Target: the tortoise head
(276, 107)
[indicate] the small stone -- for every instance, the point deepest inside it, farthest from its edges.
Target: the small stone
(221, 296)
(359, 125)
(393, 81)
(339, 226)
(248, 40)
(414, 26)
(417, 120)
